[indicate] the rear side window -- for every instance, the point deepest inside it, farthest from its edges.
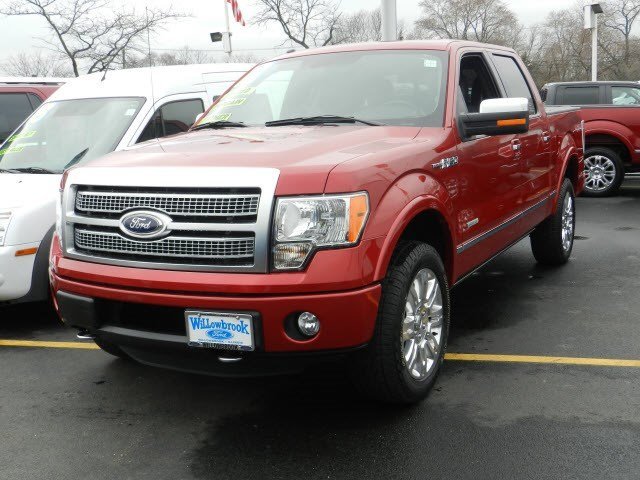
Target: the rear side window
(579, 96)
(513, 79)
(14, 108)
(35, 100)
(625, 95)
(172, 118)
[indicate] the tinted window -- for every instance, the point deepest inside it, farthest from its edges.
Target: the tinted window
(579, 96)
(513, 79)
(476, 84)
(172, 118)
(14, 108)
(625, 95)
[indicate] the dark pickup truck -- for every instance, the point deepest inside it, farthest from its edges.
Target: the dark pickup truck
(611, 112)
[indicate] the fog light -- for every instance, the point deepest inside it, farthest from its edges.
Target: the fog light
(308, 324)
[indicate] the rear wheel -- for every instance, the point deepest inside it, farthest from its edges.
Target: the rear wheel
(407, 351)
(552, 240)
(111, 348)
(604, 172)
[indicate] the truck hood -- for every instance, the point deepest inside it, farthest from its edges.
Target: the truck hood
(27, 190)
(303, 155)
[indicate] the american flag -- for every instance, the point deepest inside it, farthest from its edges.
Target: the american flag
(237, 14)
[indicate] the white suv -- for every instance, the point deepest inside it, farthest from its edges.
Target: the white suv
(87, 118)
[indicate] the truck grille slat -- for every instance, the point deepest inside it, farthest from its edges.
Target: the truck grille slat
(181, 247)
(200, 205)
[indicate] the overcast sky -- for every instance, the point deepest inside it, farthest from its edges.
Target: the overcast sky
(20, 34)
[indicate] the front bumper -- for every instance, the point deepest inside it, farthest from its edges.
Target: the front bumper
(15, 272)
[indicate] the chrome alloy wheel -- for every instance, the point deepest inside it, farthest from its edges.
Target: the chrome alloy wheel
(600, 172)
(568, 223)
(422, 324)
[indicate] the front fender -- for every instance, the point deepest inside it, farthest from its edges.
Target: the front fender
(408, 197)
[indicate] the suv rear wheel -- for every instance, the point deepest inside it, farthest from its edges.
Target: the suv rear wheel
(604, 172)
(403, 360)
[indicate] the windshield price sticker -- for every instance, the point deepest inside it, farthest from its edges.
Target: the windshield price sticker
(246, 91)
(18, 136)
(233, 102)
(430, 63)
(12, 149)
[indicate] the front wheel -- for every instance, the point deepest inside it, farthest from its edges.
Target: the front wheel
(403, 360)
(603, 171)
(552, 240)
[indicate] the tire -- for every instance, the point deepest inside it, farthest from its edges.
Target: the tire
(604, 172)
(552, 240)
(111, 348)
(384, 370)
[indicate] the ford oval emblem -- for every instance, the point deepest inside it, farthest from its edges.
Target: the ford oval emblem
(218, 334)
(143, 224)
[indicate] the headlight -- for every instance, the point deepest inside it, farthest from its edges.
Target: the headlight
(303, 224)
(5, 217)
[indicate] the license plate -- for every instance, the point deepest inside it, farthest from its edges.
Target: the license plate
(225, 331)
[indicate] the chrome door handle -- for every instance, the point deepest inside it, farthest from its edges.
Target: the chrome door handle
(546, 137)
(516, 147)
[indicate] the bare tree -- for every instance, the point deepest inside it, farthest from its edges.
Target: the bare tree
(362, 26)
(479, 20)
(89, 32)
(309, 23)
(36, 64)
(621, 16)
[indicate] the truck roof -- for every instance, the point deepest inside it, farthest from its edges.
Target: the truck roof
(444, 45)
(150, 81)
(33, 81)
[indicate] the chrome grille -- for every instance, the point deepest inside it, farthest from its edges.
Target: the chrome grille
(180, 204)
(206, 248)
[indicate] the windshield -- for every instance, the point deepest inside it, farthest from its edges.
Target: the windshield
(389, 87)
(63, 133)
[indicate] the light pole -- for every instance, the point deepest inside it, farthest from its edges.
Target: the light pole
(389, 20)
(591, 13)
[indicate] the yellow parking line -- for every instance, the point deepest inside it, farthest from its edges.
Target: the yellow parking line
(594, 362)
(38, 344)
(460, 357)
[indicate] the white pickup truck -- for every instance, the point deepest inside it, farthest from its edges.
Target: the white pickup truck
(85, 119)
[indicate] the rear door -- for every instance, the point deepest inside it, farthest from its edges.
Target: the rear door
(533, 149)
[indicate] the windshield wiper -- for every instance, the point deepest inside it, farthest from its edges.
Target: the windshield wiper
(35, 170)
(320, 120)
(76, 159)
(8, 170)
(219, 124)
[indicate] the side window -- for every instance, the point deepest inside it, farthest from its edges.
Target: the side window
(172, 118)
(579, 96)
(476, 83)
(625, 95)
(14, 108)
(514, 81)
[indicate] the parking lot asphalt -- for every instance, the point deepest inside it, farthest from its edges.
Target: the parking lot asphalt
(70, 413)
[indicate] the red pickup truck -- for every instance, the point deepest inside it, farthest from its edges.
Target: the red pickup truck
(323, 207)
(611, 112)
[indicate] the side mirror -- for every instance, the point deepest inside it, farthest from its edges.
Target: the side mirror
(498, 116)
